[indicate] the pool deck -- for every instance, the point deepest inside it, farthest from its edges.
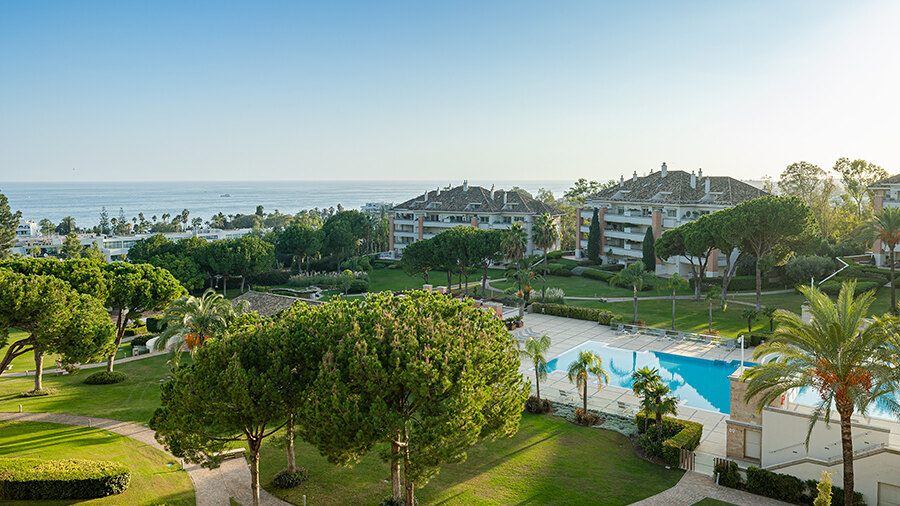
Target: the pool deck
(567, 333)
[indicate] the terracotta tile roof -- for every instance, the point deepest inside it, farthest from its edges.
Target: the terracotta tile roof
(887, 181)
(476, 199)
(267, 304)
(676, 188)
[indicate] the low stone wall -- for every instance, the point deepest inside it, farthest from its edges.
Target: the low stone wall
(610, 421)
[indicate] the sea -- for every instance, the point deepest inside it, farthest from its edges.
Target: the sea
(84, 201)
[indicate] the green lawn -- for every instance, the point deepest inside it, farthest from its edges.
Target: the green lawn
(155, 478)
(549, 461)
(131, 401)
(25, 362)
(577, 286)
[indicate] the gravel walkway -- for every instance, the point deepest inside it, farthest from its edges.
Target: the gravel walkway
(694, 487)
(213, 487)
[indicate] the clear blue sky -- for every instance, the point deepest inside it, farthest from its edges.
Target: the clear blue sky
(442, 90)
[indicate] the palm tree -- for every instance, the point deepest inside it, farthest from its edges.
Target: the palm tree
(660, 403)
(513, 242)
(675, 282)
(67, 225)
(769, 312)
(710, 296)
(642, 381)
(544, 234)
(885, 227)
(580, 371)
(195, 320)
(535, 348)
(750, 314)
(837, 354)
(634, 276)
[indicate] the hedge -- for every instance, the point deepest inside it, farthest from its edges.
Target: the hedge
(833, 286)
(155, 325)
(559, 270)
(141, 340)
(36, 479)
(599, 275)
(270, 278)
(736, 284)
(783, 487)
(688, 438)
(601, 316)
(105, 378)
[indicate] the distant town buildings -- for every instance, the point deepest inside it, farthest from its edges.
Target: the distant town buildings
(115, 247)
(662, 200)
(28, 229)
(376, 208)
(437, 210)
(887, 194)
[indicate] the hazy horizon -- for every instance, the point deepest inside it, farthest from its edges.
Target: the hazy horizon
(518, 90)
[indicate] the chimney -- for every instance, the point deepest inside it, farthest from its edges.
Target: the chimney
(621, 181)
(504, 197)
(706, 183)
(437, 192)
(492, 192)
(426, 195)
(663, 169)
(693, 180)
(700, 174)
(465, 185)
(634, 177)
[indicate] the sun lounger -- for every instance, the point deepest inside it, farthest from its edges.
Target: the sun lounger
(625, 408)
(729, 344)
(621, 329)
(565, 395)
(662, 333)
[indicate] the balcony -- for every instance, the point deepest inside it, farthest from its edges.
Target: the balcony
(633, 253)
(619, 234)
(625, 218)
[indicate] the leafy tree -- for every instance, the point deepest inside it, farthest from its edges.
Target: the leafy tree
(582, 189)
(536, 349)
(544, 234)
(885, 227)
(179, 258)
(71, 247)
(513, 242)
(104, 221)
(487, 251)
(823, 489)
(134, 289)
(298, 242)
(84, 276)
(724, 226)
(545, 196)
(55, 319)
(644, 381)
(93, 253)
(8, 222)
(218, 259)
(342, 233)
(251, 255)
(648, 248)
(809, 183)
(193, 321)
(635, 277)
(593, 249)
(579, 372)
(675, 282)
(426, 374)
(419, 258)
(837, 354)
(856, 177)
(227, 394)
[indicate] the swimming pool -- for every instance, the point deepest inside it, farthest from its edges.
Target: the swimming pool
(697, 382)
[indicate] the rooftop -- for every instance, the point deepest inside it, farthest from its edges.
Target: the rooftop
(675, 186)
(465, 198)
(268, 304)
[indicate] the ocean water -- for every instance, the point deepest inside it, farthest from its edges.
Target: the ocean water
(83, 201)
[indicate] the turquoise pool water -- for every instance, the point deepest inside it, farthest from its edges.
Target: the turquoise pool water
(699, 383)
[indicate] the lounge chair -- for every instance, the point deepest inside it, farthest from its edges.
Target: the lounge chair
(625, 408)
(565, 395)
(662, 333)
(729, 344)
(679, 337)
(621, 329)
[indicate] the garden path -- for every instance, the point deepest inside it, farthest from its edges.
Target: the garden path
(212, 487)
(694, 487)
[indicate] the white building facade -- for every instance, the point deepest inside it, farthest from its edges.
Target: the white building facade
(886, 194)
(441, 209)
(659, 201)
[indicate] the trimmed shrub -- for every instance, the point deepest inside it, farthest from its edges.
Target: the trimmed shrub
(155, 325)
(105, 378)
(269, 278)
(141, 340)
(783, 487)
(650, 445)
(555, 255)
(36, 479)
(537, 406)
(729, 475)
(588, 419)
(358, 286)
(284, 479)
(598, 275)
(612, 267)
(601, 316)
(688, 437)
(800, 269)
(833, 286)
(559, 270)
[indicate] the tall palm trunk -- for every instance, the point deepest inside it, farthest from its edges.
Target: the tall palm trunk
(847, 451)
(584, 387)
(537, 382)
(659, 424)
(673, 309)
(38, 370)
(893, 290)
(634, 320)
(758, 286)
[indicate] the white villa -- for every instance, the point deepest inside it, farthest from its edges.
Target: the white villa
(887, 194)
(661, 200)
(437, 210)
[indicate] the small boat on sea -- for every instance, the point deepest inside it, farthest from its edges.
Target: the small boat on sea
(225, 195)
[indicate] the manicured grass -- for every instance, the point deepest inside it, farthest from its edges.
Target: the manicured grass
(132, 400)
(395, 279)
(153, 479)
(549, 461)
(792, 301)
(577, 286)
(712, 502)
(25, 362)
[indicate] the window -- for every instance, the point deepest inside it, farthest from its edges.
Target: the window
(519, 219)
(671, 213)
(484, 219)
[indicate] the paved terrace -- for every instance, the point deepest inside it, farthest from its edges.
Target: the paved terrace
(567, 333)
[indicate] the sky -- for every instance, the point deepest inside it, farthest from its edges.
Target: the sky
(139, 91)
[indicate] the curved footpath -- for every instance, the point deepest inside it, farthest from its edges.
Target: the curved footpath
(51, 372)
(212, 487)
(694, 487)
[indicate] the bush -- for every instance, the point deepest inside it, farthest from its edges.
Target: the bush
(688, 437)
(612, 267)
(358, 264)
(601, 316)
(358, 286)
(537, 406)
(729, 475)
(133, 331)
(598, 275)
(650, 445)
(552, 296)
(322, 279)
(284, 479)
(833, 286)
(589, 419)
(800, 269)
(38, 393)
(269, 278)
(105, 378)
(36, 479)
(559, 270)
(555, 255)
(155, 325)
(141, 340)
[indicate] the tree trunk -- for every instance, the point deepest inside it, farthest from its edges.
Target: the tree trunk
(673, 309)
(659, 427)
(537, 382)
(635, 306)
(396, 491)
(710, 318)
(410, 487)
(14, 350)
(449, 281)
(584, 396)
(730, 268)
(544, 284)
(243, 277)
(847, 450)
(289, 448)
(254, 469)
(120, 331)
(225, 286)
(426, 276)
(38, 370)
(758, 286)
(893, 291)
(484, 281)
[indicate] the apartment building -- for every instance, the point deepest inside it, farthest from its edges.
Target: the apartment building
(660, 201)
(28, 229)
(886, 194)
(440, 209)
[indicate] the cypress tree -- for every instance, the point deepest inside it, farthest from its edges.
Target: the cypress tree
(593, 250)
(649, 249)
(8, 222)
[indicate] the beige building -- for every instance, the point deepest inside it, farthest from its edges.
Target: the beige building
(886, 194)
(440, 209)
(660, 201)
